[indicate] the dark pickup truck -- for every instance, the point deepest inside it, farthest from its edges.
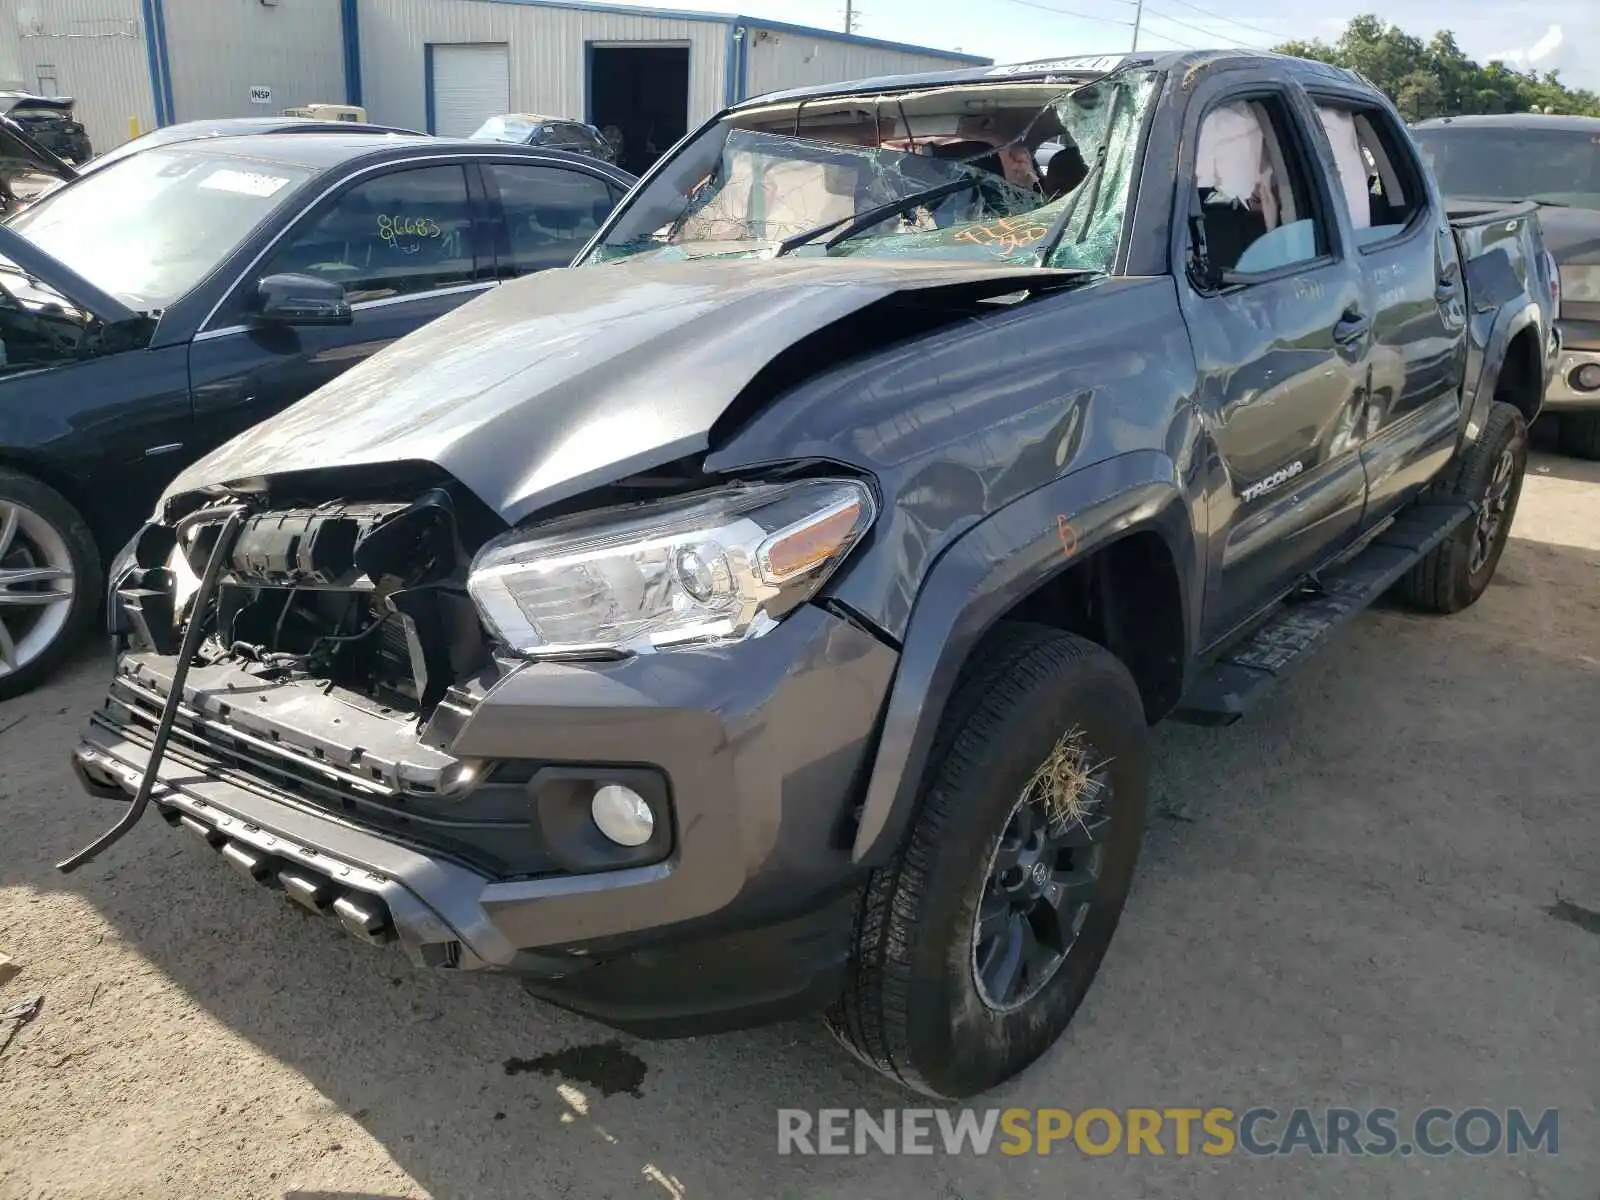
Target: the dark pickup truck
(1489, 161)
(768, 612)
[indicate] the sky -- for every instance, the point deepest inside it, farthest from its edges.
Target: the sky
(1545, 35)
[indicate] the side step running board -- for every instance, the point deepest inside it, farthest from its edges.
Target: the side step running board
(1224, 691)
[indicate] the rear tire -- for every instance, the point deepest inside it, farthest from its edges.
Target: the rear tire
(1490, 473)
(966, 965)
(1578, 435)
(50, 581)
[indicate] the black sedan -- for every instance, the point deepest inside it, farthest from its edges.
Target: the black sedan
(153, 308)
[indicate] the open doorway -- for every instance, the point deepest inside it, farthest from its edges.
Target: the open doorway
(643, 93)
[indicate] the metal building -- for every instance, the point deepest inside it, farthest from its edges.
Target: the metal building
(441, 65)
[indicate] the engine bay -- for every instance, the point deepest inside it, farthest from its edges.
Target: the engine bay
(367, 597)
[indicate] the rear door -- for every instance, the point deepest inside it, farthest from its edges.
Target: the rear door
(1415, 293)
(408, 243)
(544, 212)
(1277, 314)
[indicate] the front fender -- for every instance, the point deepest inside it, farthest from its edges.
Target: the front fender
(978, 579)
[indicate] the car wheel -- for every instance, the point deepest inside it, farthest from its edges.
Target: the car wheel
(1458, 571)
(50, 579)
(1578, 434)
(975, 946)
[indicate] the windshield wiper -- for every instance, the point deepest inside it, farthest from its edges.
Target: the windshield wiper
(1089, 187)
(856, 222)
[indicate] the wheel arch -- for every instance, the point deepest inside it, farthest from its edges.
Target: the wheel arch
(1117, 532)
(1512, 355)
(52, 478)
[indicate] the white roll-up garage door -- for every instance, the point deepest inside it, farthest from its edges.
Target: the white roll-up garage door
(471, 83)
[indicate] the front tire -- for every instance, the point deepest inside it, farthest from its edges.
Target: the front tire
(975, 946)
(50, 581)
(1490, 473)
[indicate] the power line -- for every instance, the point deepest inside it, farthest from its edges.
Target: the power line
(1179, 42)
(1146, 8)
(1228, 20)
(1150, 9)
(1063, 12)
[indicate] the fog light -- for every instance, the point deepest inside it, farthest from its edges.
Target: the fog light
(1587, 378)
(622, 815)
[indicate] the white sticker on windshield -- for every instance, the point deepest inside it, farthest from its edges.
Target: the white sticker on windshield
(245, 183)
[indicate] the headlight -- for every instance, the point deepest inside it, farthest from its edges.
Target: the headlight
(1581, 284)
(717, 567)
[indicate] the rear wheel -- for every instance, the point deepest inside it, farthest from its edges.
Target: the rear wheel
(974, 948)
(1490, 474)
(49, 580)
(1578, 434)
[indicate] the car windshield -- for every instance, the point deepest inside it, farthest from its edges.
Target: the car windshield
(1557, 166)
(951, 172)
(150, 227)
(504, 129)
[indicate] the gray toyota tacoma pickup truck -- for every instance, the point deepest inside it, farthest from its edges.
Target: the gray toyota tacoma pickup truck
(769, 613)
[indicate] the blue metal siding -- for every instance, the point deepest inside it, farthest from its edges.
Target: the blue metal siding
(153, 52)
(166, 62)
(427, 86)
(350, 27)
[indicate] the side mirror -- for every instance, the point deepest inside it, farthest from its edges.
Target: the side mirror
(290, 299)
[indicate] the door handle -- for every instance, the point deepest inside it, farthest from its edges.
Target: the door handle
(1352, 327)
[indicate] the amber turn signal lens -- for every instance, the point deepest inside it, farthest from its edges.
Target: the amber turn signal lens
(802, 547)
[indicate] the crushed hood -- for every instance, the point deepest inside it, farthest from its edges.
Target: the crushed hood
(574, 378)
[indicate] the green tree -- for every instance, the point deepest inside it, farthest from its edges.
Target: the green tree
(1436, 78)
(1419, 96)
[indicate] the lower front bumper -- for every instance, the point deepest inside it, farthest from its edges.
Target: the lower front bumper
(748, 919)
(383, 893)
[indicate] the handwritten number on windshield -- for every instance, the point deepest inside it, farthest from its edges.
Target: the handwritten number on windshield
(1006, 236)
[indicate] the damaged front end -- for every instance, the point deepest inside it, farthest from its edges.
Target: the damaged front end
(367, 598)
(322, 651)
(329, 657)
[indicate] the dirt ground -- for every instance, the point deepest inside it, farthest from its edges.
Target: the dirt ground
(1382, 891)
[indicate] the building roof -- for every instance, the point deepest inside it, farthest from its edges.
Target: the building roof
(735, 19)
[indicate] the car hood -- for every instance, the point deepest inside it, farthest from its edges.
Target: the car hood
(573, 378)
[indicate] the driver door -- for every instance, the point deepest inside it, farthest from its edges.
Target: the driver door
(406, 244)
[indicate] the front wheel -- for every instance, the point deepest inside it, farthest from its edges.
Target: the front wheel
(975, 946)
(49, 580)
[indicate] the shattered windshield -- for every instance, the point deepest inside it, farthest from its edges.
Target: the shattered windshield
(990, 172)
